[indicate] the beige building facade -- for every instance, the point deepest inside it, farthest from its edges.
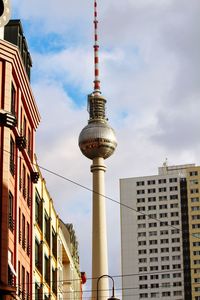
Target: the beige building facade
(56, 263)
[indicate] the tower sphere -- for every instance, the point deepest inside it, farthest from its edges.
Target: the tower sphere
(97, 139)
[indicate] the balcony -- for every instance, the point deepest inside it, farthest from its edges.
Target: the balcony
(29, 201)
(24, 192)
(7, 119)
(34, 177)
(20, 236)
(21, 142)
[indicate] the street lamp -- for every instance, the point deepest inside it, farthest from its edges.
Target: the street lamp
(113, 288)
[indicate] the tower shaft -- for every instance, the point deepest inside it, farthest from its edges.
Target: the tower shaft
(99, 230)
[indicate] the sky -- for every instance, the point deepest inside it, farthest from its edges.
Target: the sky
(150, 76)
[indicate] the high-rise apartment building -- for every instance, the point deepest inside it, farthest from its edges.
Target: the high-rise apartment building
(19, 118)
(160, 234)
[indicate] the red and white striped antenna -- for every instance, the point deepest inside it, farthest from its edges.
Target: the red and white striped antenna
(96, 52)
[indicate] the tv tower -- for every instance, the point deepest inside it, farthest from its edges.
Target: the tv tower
(97, 142)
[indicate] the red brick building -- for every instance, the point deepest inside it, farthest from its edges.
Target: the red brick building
(19, 118)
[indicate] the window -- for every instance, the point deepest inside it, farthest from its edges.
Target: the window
(140, 200)
(37, 249)
(54, 278)
(142, 208)
(153, 268)
(174, 249)
(150, 191)
(165, 276)
(166, 294)
(139, 192)
(12, 156)
(153, 259)
(23, 232)
(162, 189)
(152, 207)
(143, 295)
(142, 243)
(153, 277)
(177, 266)
(177, 275)
(164, 241)
(142, 269)
(28, 238)
(175, 214)
(141, 217)
(152, 216)
(153, 242)
(177, 283)
(23, 283)
(164, 223)
(46, 269)
(194, 181)
(150, 182)
(20, 232)
(154, 285)
(195, 199)
(197, 261)
(177, 293)
(176, 257)
(163, 206)
(144, 277)
(164, 250)
(195, 208)
(153, 251)
(175, 231)
(173, 197)
(165, 267)
(151, 199)
(174, 205)
(172, 180)
(143, 251)
(165, 284)
(143, 225)
(196, 217)
(162, 198)
(163, 215)
(152, 233)
(139, 183)
(29, 142)
(152, 225)
(24, 127)
(13, 100)
(46, 227)
(194, 191)
(176, 240)
(173, 188)
(196, 252)
(165, 258)
(54, 243)
(141, 234)
(37, 290)
(194, 173)
(161, 181)
(175, 222)
(24, 181)
(163, 232)
(10, 216)
(27, 285)
(142, 260)
(28, 190)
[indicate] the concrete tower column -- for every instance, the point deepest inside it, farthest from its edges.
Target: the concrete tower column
(99, 230)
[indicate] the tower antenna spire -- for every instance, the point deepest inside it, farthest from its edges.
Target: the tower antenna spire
(96, 52)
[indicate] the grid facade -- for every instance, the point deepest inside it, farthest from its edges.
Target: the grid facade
(156, 235)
